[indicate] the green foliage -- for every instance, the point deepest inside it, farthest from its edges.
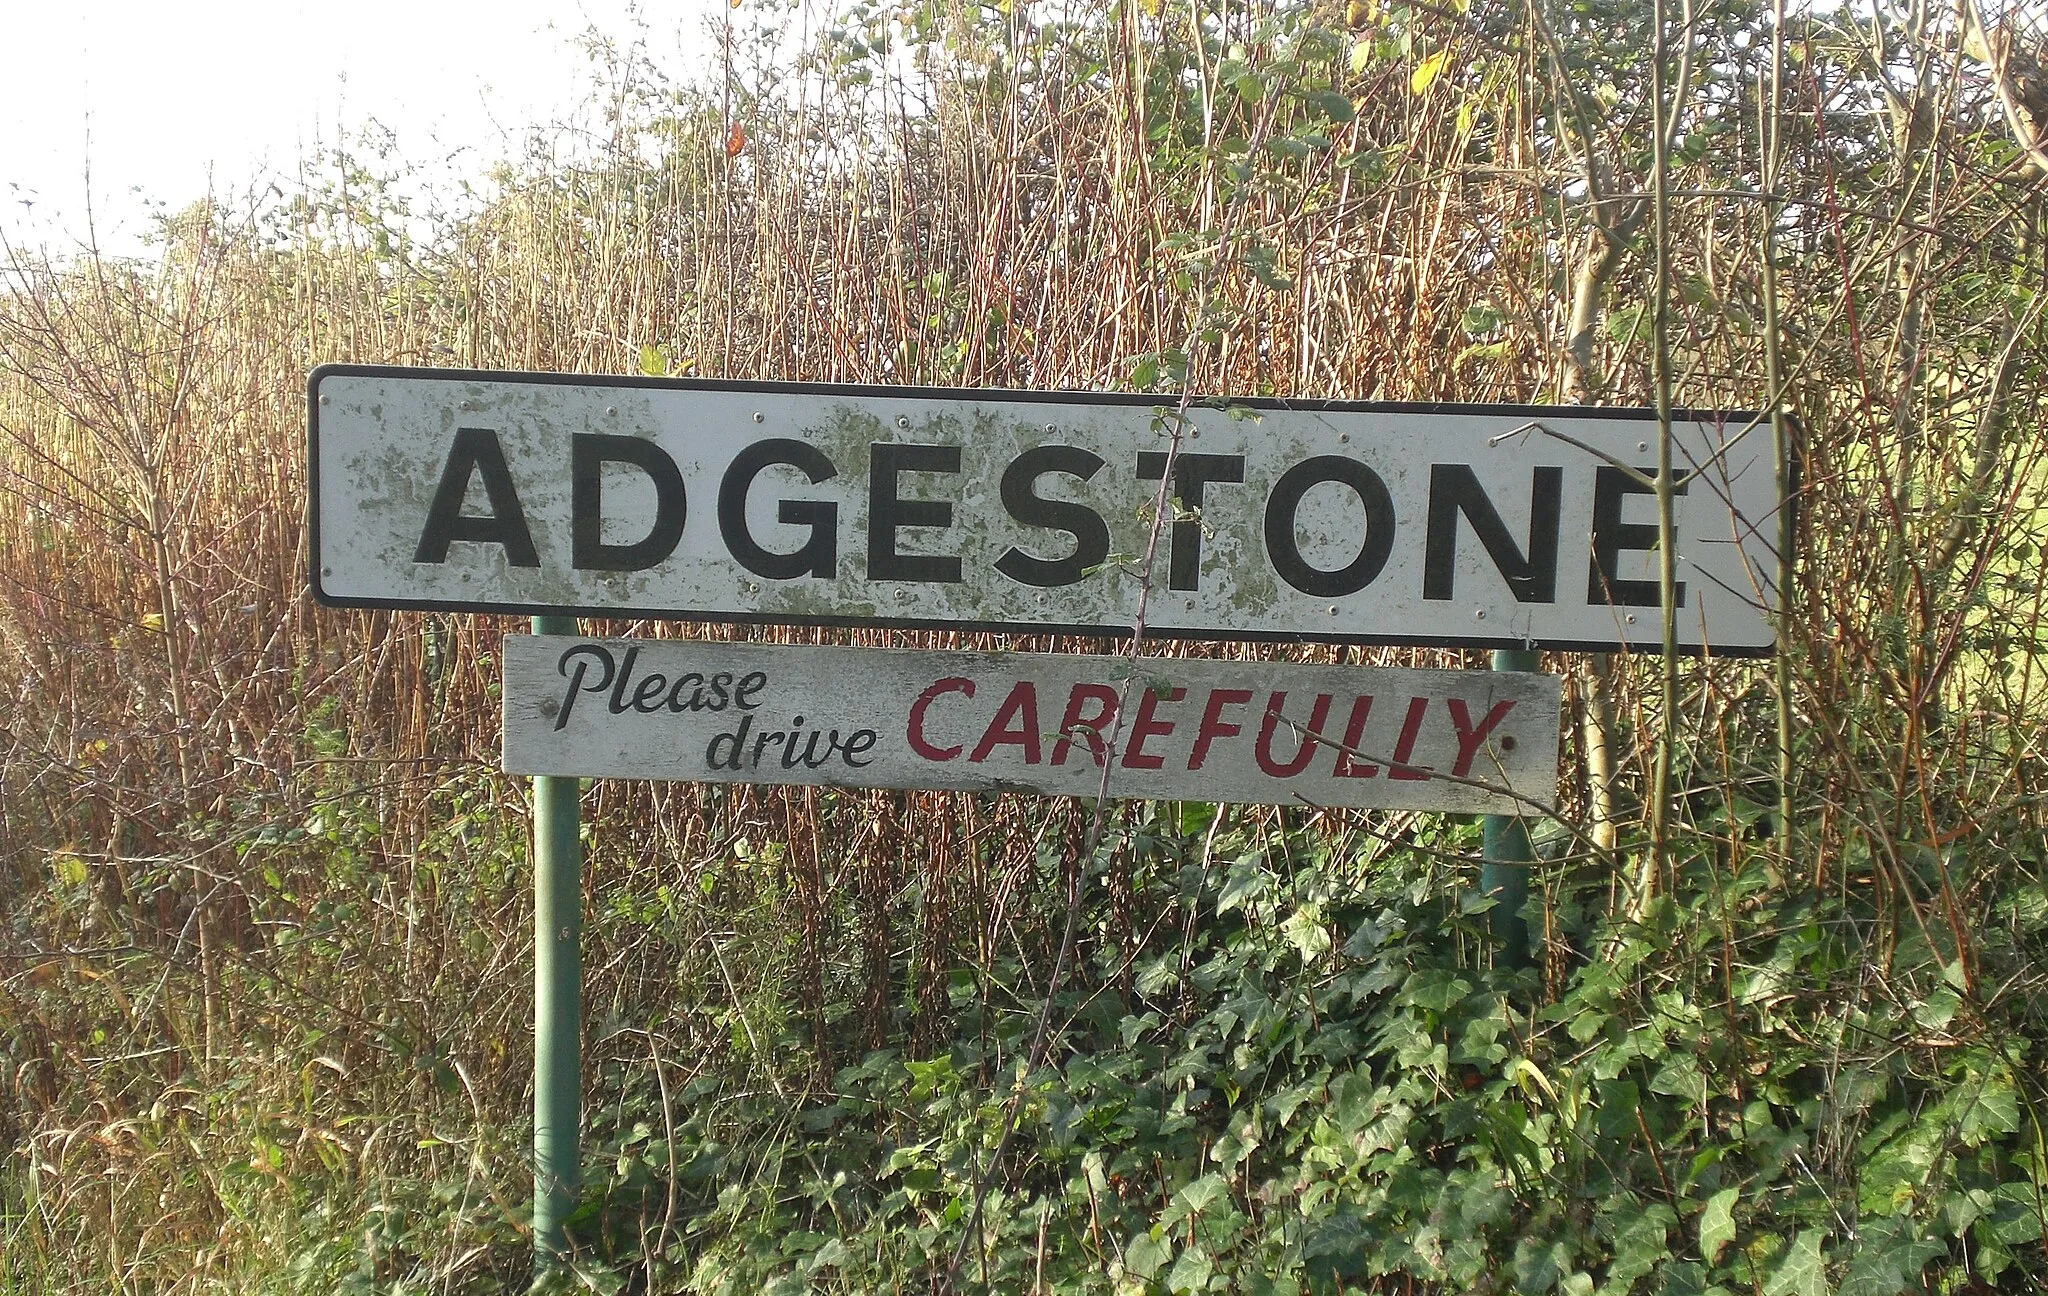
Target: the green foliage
(1302, 1076)
(1303, 1082)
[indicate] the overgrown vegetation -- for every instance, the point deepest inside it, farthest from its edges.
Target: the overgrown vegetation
(264, 983)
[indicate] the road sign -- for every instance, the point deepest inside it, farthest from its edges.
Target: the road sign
(1199, 730)
(1506, 526)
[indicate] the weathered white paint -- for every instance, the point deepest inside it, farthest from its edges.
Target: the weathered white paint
(990, 721)
(382, 442)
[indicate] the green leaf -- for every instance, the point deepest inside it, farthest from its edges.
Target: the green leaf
(830, 1256)
(1157, 975)
(1679, 1077)
(1334, 106)
(1479, 351)
(1717, 1223)
(1641, 1243)
(1436, 991)
(1625, 323)
(1306, 931)
(1889, 1258)
(1201, 1194)
(1684, 1278)
(1191, 1273)
(1480, 319)
(1147, 1255)
(1244, 883)
(1994, 1109)
(1938, 1009)
(1539, 1261)
(1801, 1271)
(653, 360)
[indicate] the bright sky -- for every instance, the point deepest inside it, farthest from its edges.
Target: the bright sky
(169, 101)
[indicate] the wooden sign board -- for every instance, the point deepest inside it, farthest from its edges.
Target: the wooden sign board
(1472, 526)
(1195, 730)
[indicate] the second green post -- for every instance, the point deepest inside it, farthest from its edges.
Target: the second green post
(1506, 853)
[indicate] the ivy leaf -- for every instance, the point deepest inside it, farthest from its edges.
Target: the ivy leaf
(1539, 1262)
(1938, 1009)
(1994, 1110)
(1191, 1273)
(1641, 1242)
(1800, 1271)
(1306, 931)
(1146, 1255)
(1427, 71)
(1200, 1195)
(1717, 1223)
(1243, 883)
(1889, 1258)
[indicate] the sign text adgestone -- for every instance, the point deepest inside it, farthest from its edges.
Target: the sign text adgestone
(1029, 512)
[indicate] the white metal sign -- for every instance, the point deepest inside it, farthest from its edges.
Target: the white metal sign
(907, 507)
(1168, 728)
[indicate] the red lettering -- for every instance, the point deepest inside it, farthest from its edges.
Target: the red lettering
(1470, 738)
(1146, 727)
(1404, 747)
(1020, 709)
(1349, 766)
(1264, 749)
(1073, 722)
(915, 731)
(1213, 725)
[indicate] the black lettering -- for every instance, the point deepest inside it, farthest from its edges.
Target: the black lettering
(820, 554)
(687, 680)
(476, 450)
(811, 756)
(743, 693)
(589, 452)
(887, 511)
(1191, 472)
(859, 744)
(1611, 535)
(1455, 489)
(1090, 532)
(721, 690)
(1284, 552)
(618, 698)
(736, 741)
(583, 654)
(647, 693)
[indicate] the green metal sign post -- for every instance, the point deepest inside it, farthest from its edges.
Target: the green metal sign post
(557, 998)
(1507, 853)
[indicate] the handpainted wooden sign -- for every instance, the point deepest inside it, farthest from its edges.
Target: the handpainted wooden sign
(1169, 728)
(1476, 526)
